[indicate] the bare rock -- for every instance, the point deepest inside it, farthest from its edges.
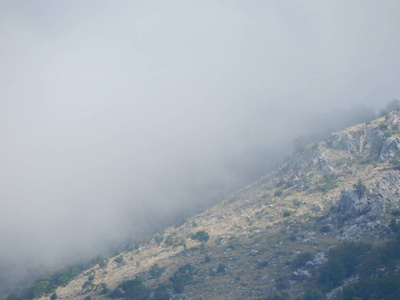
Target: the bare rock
(390, 147)
(351, 203)
(301, 274)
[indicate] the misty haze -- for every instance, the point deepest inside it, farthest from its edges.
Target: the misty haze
(121, 117)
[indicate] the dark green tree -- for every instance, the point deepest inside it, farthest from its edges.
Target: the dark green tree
(201, 236)
(131, 289)
(156, 271)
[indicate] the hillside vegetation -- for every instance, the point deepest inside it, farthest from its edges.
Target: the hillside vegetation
(321, 226)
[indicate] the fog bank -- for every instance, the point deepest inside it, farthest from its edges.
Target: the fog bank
(117, 116)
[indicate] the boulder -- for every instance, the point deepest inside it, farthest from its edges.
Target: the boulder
(351, 203)
(301, 274)
(390, 147)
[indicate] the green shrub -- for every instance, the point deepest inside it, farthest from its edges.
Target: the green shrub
(384, 256)
(119, 260)
(301, 259)
(161, 292)
(104, 288)
(329, 183)
(39, 289)
(131, 289)
(88, 285)
(342, 262)
(169, 241)
(182, 277)
(387, 288)
(200, 236)
(158, 239)
(262, 264)
(314, 295)
(156, 271)
(99, 260)
(383, 126)
(221, 269)
(297, 203)
(390, 132)
(366, 161)
(395, 164)
(360, 188)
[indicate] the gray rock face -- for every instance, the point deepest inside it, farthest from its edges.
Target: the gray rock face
(389, 189)
(390, 147)
(370, 142)
(366, 141)
(351, 203)
(360, 215)
(305, 160)
(324, 165)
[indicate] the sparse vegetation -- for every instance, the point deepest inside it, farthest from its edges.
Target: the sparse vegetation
(297, 203)
(329, 182)
(158, 239)
(395, 164)
(99, 260)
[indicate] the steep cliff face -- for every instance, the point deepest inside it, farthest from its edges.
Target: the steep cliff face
(362, 152)
(344, 188)
(375, 141)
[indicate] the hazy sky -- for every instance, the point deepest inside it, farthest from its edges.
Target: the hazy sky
(116, 113)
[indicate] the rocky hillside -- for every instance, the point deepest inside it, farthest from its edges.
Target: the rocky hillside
(268, 238)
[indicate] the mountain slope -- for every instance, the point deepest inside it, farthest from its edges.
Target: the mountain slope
(344, 188)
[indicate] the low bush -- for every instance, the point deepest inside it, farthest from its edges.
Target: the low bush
(161, 292)
(131, 289)
(201, 236)
(182, 277)
(156, 271)
(301, 259)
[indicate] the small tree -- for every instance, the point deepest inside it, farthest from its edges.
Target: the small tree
(131, 289)
(161, 292)
(221, 269)
(102, 262)
(156, 271)
(182, 277)
(200, 236)
(360, 188)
